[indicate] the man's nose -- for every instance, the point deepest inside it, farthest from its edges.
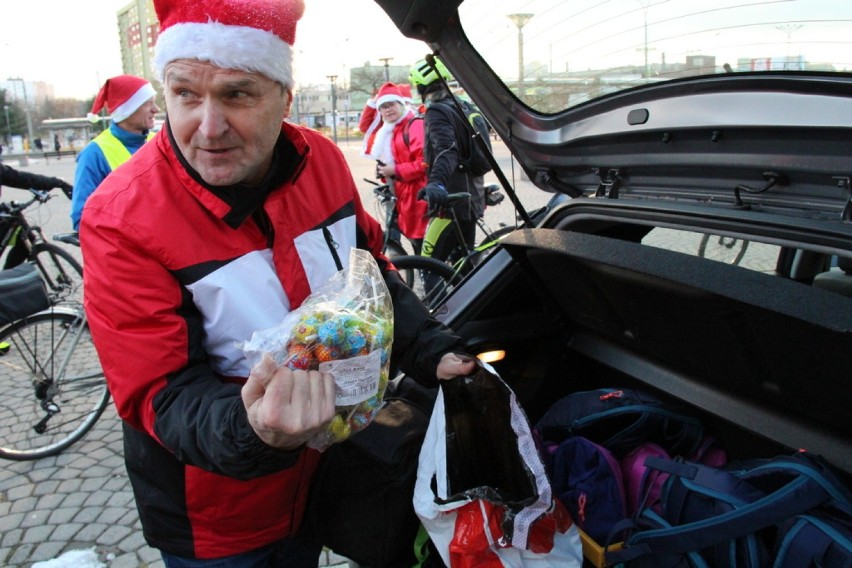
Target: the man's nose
(213, 120)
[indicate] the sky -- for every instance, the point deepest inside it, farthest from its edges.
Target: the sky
(74, 45)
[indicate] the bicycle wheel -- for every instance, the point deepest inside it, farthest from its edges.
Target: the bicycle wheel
(432, 279)
(52, 388)
(723, 249)
(61, 272)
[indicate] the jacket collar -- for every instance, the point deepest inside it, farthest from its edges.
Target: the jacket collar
(126, 137)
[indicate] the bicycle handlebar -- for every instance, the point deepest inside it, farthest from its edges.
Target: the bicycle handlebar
(68, 238)
(12, 207)
(455, 197)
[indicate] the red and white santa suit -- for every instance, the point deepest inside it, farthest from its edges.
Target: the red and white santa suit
(400, 143)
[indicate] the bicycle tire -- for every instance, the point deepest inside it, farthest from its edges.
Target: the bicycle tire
(394, 250)
(420, 270)
(62, 273)
(731, 253)
(45, 405)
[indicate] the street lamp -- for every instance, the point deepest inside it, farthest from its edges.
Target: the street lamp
(26, 107)
(8, 125)
(386, 61)
(333, 78)
(520, 20)
(788, 29)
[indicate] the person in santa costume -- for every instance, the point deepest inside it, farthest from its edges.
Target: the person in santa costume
(371, 120)
(398, 149)
(130, 102)
(219, 227)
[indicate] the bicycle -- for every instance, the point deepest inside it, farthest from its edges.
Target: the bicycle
(52, 386)
(385, 208)
(22, 241)
(433, 279)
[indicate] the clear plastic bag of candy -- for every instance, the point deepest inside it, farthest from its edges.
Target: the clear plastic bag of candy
(345, 328)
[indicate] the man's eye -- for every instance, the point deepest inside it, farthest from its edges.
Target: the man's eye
(237, 94)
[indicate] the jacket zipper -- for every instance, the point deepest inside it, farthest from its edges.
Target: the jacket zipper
(332, 247)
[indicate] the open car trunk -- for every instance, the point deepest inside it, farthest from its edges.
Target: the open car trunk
(763, 361)
(699, 243)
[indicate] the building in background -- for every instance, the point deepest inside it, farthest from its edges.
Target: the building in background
(138, 29)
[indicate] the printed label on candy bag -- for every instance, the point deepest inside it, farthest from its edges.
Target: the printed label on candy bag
(356, 379)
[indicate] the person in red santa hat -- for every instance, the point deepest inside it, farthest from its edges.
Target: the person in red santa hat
(220, 226)
(130, 102)
(398, 149)
(371, 120)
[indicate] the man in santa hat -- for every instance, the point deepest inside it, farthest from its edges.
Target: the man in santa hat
(220, 226)
(130, 102)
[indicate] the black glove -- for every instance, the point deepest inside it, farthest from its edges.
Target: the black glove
(65, 187)
(435, 195)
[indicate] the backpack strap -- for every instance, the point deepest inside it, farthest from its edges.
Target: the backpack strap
(814, 540)
(407, 126)
(801, 494)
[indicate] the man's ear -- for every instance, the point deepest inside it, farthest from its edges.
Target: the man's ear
(289, 104)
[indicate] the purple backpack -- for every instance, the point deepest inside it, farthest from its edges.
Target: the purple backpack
(643, 486)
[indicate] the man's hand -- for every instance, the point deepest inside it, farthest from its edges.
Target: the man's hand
(454, 365)
(436, 195)
(286, 408)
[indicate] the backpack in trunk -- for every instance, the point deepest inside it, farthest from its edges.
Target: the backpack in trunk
(730, 517)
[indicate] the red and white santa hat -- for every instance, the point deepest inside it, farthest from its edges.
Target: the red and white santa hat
(249, 35)
(122, 96)
(390, 92)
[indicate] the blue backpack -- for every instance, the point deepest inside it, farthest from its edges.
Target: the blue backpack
(620, 420)
(586, 478)
(814, 540)
(731, 517)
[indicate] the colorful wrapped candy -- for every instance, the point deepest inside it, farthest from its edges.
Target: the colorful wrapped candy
(344, 328)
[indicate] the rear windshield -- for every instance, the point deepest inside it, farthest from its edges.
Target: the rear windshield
(555, 54)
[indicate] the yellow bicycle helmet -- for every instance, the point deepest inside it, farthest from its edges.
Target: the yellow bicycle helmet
(422, 74)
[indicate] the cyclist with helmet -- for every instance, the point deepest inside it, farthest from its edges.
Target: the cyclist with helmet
(442, 151)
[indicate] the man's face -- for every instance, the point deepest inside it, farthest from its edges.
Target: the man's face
(142, 119)
(225, 122)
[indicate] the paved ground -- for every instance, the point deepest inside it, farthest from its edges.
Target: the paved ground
(82, 499)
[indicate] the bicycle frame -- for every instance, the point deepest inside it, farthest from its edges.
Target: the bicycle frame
(19, 226)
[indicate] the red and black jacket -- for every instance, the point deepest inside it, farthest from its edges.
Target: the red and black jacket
(177, 272)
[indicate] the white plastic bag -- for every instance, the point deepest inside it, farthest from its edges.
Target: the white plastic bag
(501, 524)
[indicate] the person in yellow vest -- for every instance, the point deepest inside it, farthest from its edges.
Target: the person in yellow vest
(130, 102)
